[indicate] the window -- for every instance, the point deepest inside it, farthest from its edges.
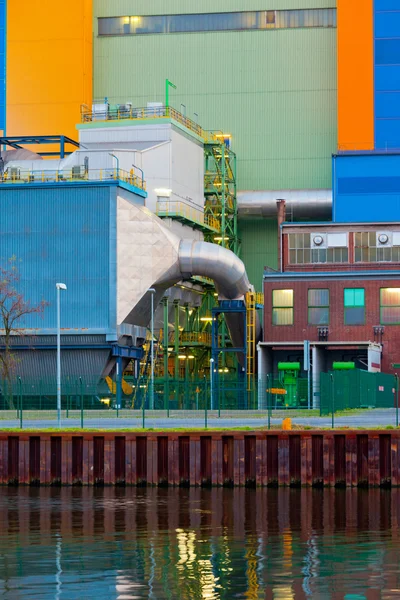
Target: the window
(354, 306)
(226, 21)
(318, 307)
(390, 306)
(282, 307)
(301, 253)
(367, 249)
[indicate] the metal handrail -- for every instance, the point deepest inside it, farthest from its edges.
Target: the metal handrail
(119, 113)
(177, 208)
(77, 173)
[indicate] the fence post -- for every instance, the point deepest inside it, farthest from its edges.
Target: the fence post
(397, 400)
(81, 390)
(20, 401)
(268, 402)
(333, 401)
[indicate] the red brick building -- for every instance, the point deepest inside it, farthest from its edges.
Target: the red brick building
(339, 288)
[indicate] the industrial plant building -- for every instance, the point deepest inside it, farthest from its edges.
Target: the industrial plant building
(254, 150)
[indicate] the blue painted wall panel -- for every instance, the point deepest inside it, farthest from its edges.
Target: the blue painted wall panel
(387, 24)
(366, 188)
(387, 52)
(60, 235)
(386, 5)
(387, 78)
(387, 105)
(387, 134)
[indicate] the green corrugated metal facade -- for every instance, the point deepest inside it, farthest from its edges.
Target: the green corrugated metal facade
(259, 247)
(274, 91)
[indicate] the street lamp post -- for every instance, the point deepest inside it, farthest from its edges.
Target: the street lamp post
(59, 287)
(211, 383)
(117, 159)
(152, 292)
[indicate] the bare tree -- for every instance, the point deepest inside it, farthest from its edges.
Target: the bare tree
(13, 307)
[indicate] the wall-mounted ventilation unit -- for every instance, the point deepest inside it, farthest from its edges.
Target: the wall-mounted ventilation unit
(318, 240)
(384, 239)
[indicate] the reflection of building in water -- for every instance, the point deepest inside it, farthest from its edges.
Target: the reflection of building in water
(201, 543)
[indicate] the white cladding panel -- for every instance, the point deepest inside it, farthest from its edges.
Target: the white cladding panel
(187, 169)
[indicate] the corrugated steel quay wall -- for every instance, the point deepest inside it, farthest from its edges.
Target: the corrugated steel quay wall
(275, 458)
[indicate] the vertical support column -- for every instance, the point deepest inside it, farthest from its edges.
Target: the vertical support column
(223, 194)
(176, 350)
(166, 341)
(318, 360)
(119, 381)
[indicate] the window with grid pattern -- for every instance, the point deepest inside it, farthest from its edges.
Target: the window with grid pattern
(301, 253)
(390, 306)
(225, 21)
(366, 249)
(318, 307)
(282, 307)
(354, 306)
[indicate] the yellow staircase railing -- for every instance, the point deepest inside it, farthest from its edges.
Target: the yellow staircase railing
(251, 338)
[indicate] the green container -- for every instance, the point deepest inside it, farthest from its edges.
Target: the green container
(289, 366)
(343, 366)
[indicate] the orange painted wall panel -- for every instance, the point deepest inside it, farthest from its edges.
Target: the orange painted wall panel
(49, 65)
(355, 74)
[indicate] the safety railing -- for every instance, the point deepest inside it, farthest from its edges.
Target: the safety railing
(179, 209)
(15, 175)
(119, 113)
(199, 337)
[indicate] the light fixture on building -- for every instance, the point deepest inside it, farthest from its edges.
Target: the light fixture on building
(163, 192)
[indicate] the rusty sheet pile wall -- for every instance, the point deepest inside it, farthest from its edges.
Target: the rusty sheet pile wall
(196, 459)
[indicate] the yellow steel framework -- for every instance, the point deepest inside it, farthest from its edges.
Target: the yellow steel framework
(145, 365)
(251, 338)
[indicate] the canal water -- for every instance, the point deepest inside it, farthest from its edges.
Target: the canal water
(117, 543)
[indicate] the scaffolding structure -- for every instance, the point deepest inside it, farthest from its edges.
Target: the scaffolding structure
(220, 189)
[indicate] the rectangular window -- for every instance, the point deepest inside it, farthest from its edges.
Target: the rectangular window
(354, 306)
(300, 251)
(390, 306)
(318, 307)
(367, 248)
(226, 21)
(282, 307)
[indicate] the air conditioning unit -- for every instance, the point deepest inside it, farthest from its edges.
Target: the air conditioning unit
(318, 240)
(384, 239)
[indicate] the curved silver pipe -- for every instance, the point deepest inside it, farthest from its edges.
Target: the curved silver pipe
(217, 263)
(315, 205)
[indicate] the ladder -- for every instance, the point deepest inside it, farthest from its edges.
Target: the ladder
(251, 338)
(145, 367)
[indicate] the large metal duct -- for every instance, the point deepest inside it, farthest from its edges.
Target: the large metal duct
(315, 205)
(221, 265)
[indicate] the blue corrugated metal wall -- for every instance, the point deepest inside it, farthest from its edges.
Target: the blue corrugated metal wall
(366, 188)
(62, 235)
(387, 74)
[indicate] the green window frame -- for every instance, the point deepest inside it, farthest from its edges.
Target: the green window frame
(390, 306)
(318, 306)
(354, 306)
(282, 307)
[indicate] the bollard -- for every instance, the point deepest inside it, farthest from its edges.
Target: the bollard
(20, 401)
(287, 424)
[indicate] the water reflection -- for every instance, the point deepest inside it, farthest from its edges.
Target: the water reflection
(187, 544)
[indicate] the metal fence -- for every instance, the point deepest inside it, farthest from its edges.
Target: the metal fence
(356, 389)
(193, 403)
